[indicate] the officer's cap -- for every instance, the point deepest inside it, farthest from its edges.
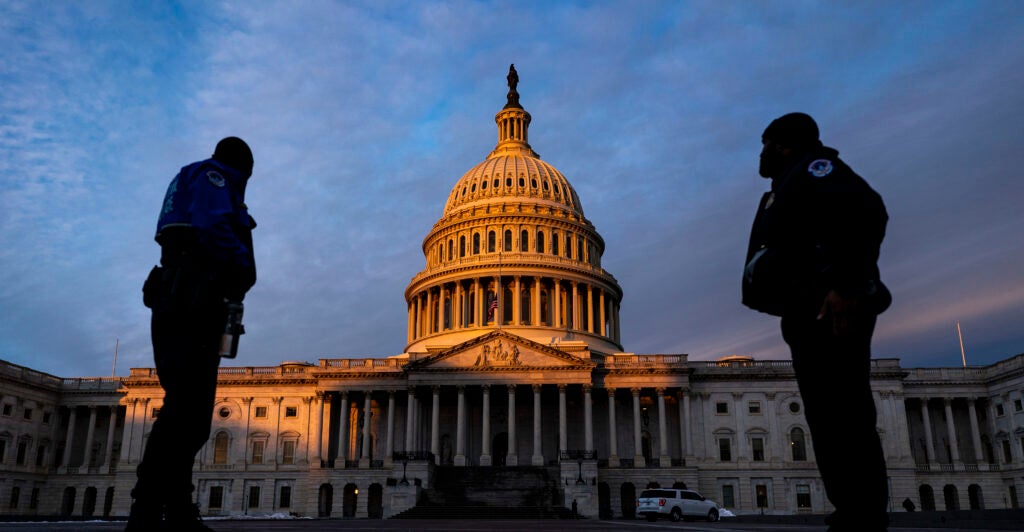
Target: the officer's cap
(235, 153)
(793, 130)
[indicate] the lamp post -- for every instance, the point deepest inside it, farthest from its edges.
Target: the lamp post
(579, 479)
(404, 481)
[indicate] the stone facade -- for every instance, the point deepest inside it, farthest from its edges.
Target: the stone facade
(514, 359)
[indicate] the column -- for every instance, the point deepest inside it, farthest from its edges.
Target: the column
(389, 446)
(575, 307)
(929, 445)
(535, 317)
(638, 456)
(408, 419)
(954, 447)
(613, 446)
(460, 431)
(618, 330)
(108, 450)
(538, 452)
(556, 286)
(73, 414)
(741, 429)
(604, 330)
(318, 430)
(979, 456)
(435, 425)
(89, 434)
(409, 323)
(457, 306)
(478, 306)
(364, 459)
(588, 420)
(485, 427)
(126, 434)
(343, 434)
(590, 309)
(563, 433)
(419, 316)
(513, 451)
(665, 459)
(430, 311)
(517, 303)
(271, 450)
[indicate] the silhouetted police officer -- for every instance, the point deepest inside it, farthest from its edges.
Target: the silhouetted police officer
(205, 235)
(812, 260)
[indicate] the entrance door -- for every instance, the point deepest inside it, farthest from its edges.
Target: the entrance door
(499, 449)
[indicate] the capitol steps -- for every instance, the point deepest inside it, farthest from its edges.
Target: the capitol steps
(490, 493)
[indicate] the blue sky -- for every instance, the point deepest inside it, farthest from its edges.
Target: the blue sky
(362, 116)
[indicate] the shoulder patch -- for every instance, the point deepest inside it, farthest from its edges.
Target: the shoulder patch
(820, 168)
(215, 178)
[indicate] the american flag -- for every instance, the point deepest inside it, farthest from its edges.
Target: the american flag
(492, 307)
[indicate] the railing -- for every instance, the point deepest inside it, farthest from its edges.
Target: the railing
(91, 383)
(578, 454)
(23, 374)
(653, 462)
(626, 462)
(631, 360)
(362, 363)
(376, 464)
(219, 467)
(508, 258)
(947, 374)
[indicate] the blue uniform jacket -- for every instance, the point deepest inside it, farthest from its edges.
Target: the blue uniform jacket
(205, 200)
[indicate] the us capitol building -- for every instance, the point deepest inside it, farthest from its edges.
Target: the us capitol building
(514, 390)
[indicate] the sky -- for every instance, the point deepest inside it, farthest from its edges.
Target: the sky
(363, 116)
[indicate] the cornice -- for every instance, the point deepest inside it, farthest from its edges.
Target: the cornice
(543, 269)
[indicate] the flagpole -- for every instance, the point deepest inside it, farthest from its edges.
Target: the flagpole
(963, 355)
(113, 372)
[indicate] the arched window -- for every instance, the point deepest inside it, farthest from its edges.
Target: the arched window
(462, 246)
(568, 246)
(952, 497)
(579, 248)
(508, 240)
(798, 444)
(450, 246)
(476, 243)
(540, 242)
(524, 240)
(927, 498)
(554, 243)
(440, 252)
(490, 242)
(220, 448)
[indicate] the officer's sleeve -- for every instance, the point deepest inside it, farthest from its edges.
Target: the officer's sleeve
(212, 213)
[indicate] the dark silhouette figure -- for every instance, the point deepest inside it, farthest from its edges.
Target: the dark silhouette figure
(205, 235)
(908, 505)
(513, 82)
(575, 510)
(812, 260)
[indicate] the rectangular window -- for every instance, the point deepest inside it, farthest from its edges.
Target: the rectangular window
(291, 411)
(288, 452)
(40, 455)
(754, 407)
(33, 499)
(22, 451)
(721, 408)
(761, 495)
(216, 497)
(803, 497)
(1017, 405)
(3, 450)
(724, 449)
(1007, 455)
(46, 418)
(285, 500)
(15, 495)
(8, 408)
(261, 411)
(757, 445)
(254, 496)
(257, 452)
(728, 496)
(27, 414)
(999, 409)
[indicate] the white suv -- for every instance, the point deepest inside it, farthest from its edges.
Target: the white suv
(675, 504)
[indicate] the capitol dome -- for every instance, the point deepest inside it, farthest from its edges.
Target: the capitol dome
(513, 251)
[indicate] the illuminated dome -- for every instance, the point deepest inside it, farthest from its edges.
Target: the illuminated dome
(513, 250)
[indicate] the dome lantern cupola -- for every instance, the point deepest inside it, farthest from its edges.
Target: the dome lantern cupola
(513, 123)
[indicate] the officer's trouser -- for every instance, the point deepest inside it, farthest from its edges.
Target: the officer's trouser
(834, 379)
(186, 344)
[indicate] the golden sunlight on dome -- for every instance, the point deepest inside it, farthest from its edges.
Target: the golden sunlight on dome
(513, 250)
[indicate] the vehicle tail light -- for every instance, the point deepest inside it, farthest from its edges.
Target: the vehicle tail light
(661, 502)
